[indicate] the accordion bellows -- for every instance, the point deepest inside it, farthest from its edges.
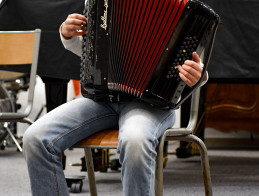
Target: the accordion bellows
(133, 47)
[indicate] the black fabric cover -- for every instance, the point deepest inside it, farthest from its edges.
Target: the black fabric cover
(235, 57)
(54, 60)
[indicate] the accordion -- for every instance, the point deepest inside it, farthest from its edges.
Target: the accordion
(133, 47)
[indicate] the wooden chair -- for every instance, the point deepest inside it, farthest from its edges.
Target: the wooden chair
(108, 139)
(19, 48)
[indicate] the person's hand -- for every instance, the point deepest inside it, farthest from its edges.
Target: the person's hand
(74, 25)
(191, 70)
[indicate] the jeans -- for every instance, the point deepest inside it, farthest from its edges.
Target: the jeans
(140, 126)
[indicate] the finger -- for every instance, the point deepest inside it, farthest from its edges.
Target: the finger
(78, 16)
(71, 28)
(196, 57)
(78, 28)
(192, 70)
(186, 80)
(192, 66)
(71, 31)
(195, 63)
(73, 21)
(189, 70)
(191, 73)
(190, 77)
(78, 33)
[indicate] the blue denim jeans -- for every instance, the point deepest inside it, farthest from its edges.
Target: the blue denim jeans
(140, 127)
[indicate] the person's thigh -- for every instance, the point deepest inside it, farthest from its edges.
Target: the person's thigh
(67, 124)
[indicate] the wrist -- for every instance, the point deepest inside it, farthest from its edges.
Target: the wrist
(66, 38)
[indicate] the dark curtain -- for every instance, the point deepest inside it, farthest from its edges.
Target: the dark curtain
(235, 56)
(54, 60)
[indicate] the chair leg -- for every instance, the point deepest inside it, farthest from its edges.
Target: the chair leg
(13, 138)
(204, 160)
(90, 171)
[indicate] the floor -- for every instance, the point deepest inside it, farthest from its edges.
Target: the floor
(233, 172)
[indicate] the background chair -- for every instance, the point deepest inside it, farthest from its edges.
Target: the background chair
(108, 139)
(19, 48)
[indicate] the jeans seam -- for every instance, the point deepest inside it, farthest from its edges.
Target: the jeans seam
(150, 172)
(50, 145)
(155, 138)
(55, 172)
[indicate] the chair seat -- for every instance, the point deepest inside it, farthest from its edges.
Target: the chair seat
(102, 139)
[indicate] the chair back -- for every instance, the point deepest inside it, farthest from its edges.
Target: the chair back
(194, 109)
(20, 48)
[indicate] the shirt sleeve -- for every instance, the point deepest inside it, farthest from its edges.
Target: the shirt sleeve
(206, 76)
(74, 44)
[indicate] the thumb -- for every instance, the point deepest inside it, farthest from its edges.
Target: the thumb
(196, 57)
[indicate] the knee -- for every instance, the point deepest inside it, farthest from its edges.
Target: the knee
(136, 145)
(133, 140)
(29, 138)
(32, 140)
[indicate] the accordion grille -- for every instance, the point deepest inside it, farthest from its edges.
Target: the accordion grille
(140, 32)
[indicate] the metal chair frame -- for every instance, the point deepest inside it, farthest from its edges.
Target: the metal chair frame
(13, 41)
(184, 134)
